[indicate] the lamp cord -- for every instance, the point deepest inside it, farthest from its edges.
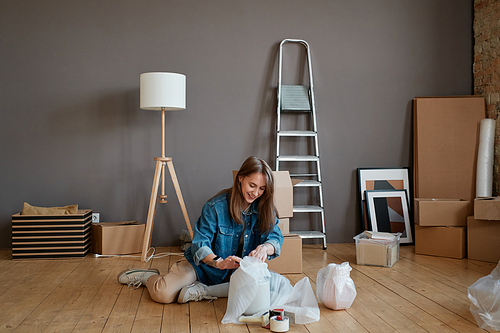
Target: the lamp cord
(148, 258)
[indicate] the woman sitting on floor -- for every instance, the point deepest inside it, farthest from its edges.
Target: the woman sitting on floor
(239, 221)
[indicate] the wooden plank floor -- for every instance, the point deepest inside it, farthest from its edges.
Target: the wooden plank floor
(418, 294)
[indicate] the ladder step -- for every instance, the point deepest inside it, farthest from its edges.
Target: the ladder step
(309, 234)
(308, 183)
(307, 209)
(298, 158)
(297, 133)
(302, 175)
(295, 98)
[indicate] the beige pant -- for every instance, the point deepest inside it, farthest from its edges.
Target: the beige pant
(166, 288)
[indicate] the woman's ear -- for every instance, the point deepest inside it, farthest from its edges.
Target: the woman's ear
(240, 178)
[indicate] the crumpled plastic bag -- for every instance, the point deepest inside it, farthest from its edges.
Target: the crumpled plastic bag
(484, 295)
(243, 285)
(334, 286)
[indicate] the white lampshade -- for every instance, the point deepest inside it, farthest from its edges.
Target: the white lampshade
(163, 91)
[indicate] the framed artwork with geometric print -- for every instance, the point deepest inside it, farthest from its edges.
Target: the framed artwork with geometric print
(388, 211)
(372, 179)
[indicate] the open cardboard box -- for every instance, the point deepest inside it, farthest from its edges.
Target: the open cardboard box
(115, 238)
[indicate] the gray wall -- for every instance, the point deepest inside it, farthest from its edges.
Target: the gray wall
(72, 131)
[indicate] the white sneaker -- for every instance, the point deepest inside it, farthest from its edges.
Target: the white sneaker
(136, 277)
(196, 291)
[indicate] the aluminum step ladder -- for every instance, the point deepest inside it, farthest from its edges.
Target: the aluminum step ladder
(294, 100)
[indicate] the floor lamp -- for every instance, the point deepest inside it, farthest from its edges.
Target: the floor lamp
(162, 92)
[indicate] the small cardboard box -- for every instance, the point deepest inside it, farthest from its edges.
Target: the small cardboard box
(483, 240)
(440, 241)
(115, 238)
(284, 225)
(290, 259)
(283, 192)
(487, 208)
(376, 252)
(441, 212)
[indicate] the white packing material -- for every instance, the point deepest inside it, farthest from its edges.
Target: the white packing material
(301, 301)
(243, 285)
(335, 287)
(484, 295)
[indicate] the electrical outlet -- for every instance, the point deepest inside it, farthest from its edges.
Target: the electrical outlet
(95, 217)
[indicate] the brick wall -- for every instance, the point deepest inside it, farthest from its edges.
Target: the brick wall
(486, 67)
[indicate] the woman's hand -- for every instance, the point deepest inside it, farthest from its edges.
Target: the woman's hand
(230, 262)
(262, 251)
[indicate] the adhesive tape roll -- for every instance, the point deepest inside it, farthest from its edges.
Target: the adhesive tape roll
(279, 325)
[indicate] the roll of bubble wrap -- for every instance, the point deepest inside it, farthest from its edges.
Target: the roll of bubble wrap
(484, 173)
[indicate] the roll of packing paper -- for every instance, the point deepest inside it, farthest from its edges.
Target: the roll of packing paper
(484, 175)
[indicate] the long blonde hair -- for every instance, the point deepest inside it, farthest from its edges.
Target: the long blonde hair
(266, 208)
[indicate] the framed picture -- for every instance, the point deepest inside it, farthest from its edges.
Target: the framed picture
(379, 179)
(388, 212)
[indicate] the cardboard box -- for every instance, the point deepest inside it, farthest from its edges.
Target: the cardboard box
(51, 236)
(115, 238)
(445, 142)
(440, 241)
(441, 212)
(483, 240)
(487, 208)
(290, 259)
(283, 192)
(284, 225)
(376, 252)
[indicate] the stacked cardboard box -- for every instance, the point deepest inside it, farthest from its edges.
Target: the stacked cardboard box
(445, 132)
(290, 259)
(51, 236)
(483, 230)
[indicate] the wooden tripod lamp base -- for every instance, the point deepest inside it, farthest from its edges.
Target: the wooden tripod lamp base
(160, 174)
(162, 92)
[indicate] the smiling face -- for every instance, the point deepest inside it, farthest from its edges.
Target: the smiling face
(252, 186)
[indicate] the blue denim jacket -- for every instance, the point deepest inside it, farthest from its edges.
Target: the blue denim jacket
(215, 232)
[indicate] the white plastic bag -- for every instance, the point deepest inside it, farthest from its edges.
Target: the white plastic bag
(485, 297)
(301, 301)
(243, 285)
(334, 286)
